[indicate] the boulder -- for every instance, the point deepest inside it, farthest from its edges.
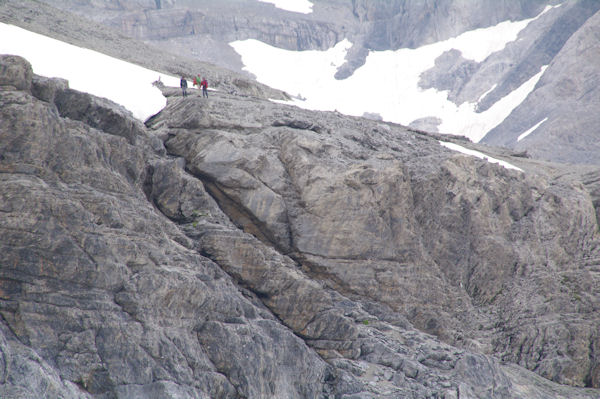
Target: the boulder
(15, 72)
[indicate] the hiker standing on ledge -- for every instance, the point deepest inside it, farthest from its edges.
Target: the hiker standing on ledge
(183, 85)
(204, 85)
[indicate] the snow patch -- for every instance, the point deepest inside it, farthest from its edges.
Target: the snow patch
(528, 132)
(481, 97)
(480, 155)
(300, 6)
(89, 71)
(388, 83)
(467, 122)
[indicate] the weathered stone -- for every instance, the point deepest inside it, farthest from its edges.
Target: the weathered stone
(383, 217)
(564, 99)
(98, 113)
(15, 72)
(46, 89)
(106, 290)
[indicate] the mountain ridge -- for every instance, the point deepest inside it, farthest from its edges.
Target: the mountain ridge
(374, 26)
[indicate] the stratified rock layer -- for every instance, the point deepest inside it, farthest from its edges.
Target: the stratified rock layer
(270, 252)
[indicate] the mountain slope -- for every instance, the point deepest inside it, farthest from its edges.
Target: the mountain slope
(129, 273)
(36, 16)
(235, 247)
(566, 99)
(204, 29)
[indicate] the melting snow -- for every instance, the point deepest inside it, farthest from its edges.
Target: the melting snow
(387, 84)
(89, 71)
(480, 155)
(301, 6)
(528, 132)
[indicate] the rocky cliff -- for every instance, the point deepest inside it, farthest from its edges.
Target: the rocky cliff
(237, 248)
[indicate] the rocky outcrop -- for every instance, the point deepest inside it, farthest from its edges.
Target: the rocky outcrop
(224, 21)
(413, 23)
(387, 216)
(283, 253)
(102, 296)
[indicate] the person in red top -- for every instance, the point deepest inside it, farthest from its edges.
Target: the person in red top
(204, 85)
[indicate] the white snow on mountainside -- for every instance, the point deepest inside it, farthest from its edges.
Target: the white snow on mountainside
(89, 71)
(301, 6)
(387, 84)
(531, 130)
(480, 155)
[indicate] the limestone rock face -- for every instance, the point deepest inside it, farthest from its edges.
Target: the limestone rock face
(270, 252)
(102, 296)
(412, 23)
(387, 216)
(16, 73)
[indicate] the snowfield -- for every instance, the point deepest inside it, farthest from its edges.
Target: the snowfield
(301, 6)
(89, 71)
(388, 82)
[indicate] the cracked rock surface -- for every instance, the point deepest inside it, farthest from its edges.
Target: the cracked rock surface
(237, 248)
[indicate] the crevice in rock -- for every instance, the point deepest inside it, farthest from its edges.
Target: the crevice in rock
(589, 379)
(218, 370)
(299, 124)
(147, 184)
(239, 216)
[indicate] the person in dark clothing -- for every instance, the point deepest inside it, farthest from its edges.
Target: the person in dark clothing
(204, 85)
(183, 85)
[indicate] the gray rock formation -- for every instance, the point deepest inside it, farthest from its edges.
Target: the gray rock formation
(568, 95)
(102, 296)
(275, 252)
(387, 216)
